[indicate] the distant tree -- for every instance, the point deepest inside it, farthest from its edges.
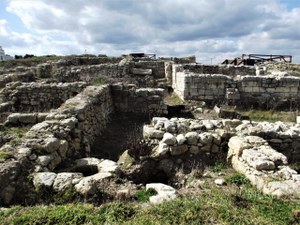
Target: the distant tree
(28, 56)
(18, 57)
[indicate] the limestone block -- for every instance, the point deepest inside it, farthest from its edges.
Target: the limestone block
(13, 118)
(140, 71)
(282, 188)
(108, 166)
(44, 160)
(151, 132)
(44, 179)
(70, 122)
(194, 149)
(164, 192)
(220, 181)
(264, 165)
(28, 118)
(205, 138)
(273, 155)
(87, 185)
(192, 138)
(63, 148)
(205, 148)
(160, 150)
(178, 149)
(237, 145)
(51, 144)
(63, 181)
(180, 139)
(169, 139)
(24, 151)
(55, 160)
(89, 161)
(170, 126)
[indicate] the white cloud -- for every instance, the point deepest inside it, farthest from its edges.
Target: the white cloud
(216, 28)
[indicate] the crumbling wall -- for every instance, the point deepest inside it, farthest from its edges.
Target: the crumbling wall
(263, 166)
(38, 97)
(268, 92)
(130, 99)
(201, 87)
(220, 69)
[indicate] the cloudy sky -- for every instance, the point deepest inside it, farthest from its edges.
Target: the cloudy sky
(213, 30)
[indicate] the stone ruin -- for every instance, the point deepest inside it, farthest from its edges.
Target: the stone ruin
(66, 104)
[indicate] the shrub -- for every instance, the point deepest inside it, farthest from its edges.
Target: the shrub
(143, 195)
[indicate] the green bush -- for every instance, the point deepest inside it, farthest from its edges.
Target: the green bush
(143, 195)
(237, 179)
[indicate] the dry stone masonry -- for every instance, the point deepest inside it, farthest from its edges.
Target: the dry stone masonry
(278, 90)
(263, 166)
(65, 106)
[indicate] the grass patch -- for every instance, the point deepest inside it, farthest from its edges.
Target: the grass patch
(237, 179)
(215, 206)
(143, 195)
(173, 99)
(269, 115)
(218, 167)
(99, 81)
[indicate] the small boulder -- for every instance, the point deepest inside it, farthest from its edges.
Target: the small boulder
(44, 179)
(169, 139)
(164, 192)
(192, 138)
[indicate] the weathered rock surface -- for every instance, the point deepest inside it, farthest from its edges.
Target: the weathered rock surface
(263, 166)
(164, 192)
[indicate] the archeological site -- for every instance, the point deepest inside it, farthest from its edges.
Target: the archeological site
(105, 127)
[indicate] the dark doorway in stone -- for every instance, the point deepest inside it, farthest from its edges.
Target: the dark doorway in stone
(112, 142)
(86, 170)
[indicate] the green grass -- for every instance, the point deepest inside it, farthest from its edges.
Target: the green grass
(143, 195)
(218, 167)
(237, 179)
(173, 99)
(269, 115)
(213, 206)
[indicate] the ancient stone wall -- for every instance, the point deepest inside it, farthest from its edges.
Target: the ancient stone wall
(69, 131)
(269, 92)
(156, 68)
(263, 166)
(212, 135)
(130, 99)
(38, 97)
(219, 69)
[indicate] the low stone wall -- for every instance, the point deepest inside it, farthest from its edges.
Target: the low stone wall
(38, 97)
(263, 166)
(156, 68)
(269, 92)
(284, 137)
(27, 76)
(272, 91)
(201, 87)
(219, 69)
(179, 135)
(89, 74)
(24, 119)
(67, 132)
(130, 99)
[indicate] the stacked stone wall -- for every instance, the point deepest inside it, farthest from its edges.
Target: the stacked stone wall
(265, 167)
(269, 92)
(220, 69)
(130, 99)
(38, 97)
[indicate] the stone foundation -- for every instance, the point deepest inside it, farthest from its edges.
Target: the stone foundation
(263, 166)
